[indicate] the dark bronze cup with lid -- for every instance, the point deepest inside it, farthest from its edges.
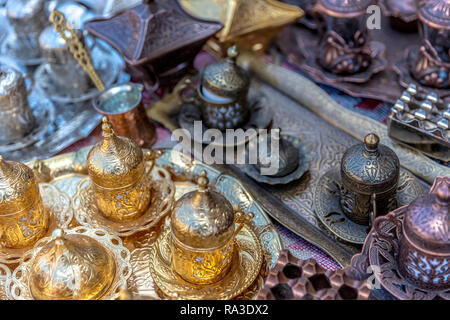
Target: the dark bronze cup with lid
(370, 173)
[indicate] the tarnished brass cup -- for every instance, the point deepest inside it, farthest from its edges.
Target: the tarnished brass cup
(122, 104)
(370, 172)
(16, 118)
(23, 219)
(222, 94)
(203, 232)
(116, 167)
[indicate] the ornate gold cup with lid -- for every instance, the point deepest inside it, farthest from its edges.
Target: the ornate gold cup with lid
(23, 219)
(72, 264)
(370, 173)
(116, 166)
(203, 231)
(222, 93)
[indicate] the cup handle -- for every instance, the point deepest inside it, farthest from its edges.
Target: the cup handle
(30, 77)
(187, 84)
(241, 218)
(373, 213)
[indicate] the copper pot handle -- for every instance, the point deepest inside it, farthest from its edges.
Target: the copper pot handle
(373, 213)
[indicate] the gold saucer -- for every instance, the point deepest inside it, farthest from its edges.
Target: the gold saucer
(328, 208)
(59, 206)
(163, 192)
(245, 268)
(18, 285)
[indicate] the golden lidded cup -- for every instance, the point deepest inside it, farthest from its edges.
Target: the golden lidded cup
(23, 219)
(203, 232)
(116, 166)
(370, 172)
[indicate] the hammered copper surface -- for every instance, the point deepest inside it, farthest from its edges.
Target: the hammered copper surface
(294, 279)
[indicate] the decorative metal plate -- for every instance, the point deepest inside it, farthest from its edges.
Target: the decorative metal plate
(246, 263)
(88, 215)
(18, 287)
(58, 205)
(303, 160)
(328, 208)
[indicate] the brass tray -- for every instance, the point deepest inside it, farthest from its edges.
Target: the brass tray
(67, 170)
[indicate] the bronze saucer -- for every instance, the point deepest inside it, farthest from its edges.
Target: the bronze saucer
(260, 118)
(163, 192)
(328, 208)
(59, 206)
(405, 77)
(379, 63)
(383, 257)
(245, 269)
(303, 165)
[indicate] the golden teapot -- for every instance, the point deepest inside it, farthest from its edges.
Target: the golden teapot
(23, 219)
(116, 166)
(203, 231)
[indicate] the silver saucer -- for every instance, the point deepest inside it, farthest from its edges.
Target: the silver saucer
(107, 62)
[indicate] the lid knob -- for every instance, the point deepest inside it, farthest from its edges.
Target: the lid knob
(443, 195)
(233, 52)
(107, 128)
(203, 181)
(371, 141)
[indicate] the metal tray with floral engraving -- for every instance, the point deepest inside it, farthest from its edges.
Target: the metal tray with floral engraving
(67, 170)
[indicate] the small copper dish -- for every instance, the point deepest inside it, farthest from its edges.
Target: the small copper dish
(329, 211)
(162, 189)
(59, 208)
(300, 169)
(122, 104)
(378, 64)
(394, 250)
(80, 264)
(245, 268)
(260, 117)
